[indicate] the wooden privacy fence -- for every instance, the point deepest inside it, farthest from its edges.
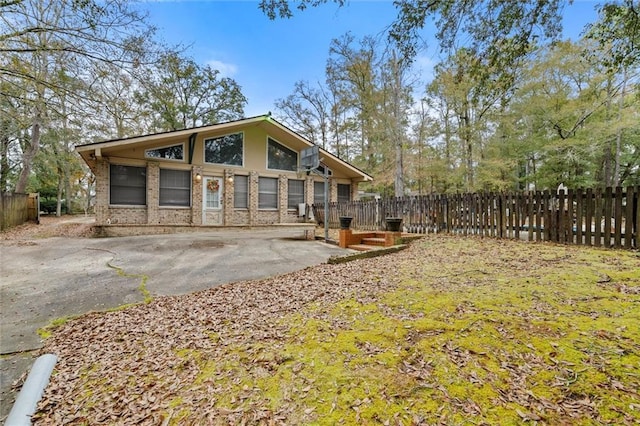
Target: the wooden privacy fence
(594, 217)
(18, 208)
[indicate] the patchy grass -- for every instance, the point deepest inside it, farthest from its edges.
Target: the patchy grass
(452, 330)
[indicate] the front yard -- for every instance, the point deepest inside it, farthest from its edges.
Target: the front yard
(450, 331)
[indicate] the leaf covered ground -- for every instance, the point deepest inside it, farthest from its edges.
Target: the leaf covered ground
(449, 331)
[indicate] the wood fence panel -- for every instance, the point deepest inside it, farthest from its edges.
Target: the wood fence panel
(539, 211)
(606, 215)
(636, 207)
(596, 217)
(628, 215)
(484, 215)
(570, 219)
(559, 211)
(502, 214)
(14, 210)
(588, 215)
(530, 216)
(491, 200)
(579, 216)
(519, 205)
(546, 216)
(617, 218)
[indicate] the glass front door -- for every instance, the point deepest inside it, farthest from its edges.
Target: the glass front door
(212, 201)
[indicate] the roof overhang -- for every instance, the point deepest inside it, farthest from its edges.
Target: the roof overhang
(92, 151)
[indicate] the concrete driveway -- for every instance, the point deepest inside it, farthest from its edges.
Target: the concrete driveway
(45, 279)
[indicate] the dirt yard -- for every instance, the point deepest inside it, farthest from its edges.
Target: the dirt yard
(51, 226)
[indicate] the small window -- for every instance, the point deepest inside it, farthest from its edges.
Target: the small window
(241, 192)
(127, 185)
(344, 193)
(174, 152)
(296, 193)
(321, 169)
(279, 157)
(226, 149)
(318, 192)
(267, 193)
(175, 188)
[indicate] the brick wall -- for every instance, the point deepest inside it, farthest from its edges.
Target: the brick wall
(227, 202)
(153, 192)
(253, 197)
(283, 191)
(153, 214)
(196, 196)
(102, 191)
(174, 216)
(126, 215)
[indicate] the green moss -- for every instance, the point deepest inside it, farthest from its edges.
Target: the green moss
(143, 281)
(46, 331)
(448, 344)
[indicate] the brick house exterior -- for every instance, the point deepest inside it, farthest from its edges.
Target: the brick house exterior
(239, 173)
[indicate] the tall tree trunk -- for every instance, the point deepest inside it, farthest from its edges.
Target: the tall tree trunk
(467, 137)
(616, 167)
(30, 153)
(397, 126)
(60, 192)
(4, 163)
(607, 175)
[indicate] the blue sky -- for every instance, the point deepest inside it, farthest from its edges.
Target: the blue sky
(266, 57)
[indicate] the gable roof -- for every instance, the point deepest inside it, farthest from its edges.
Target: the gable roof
(90, 151)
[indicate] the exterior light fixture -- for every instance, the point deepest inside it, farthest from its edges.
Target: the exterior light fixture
(230, 179)
(198, 177)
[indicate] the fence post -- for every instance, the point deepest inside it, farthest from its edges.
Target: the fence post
(608, 198)
(628, 222)
(597, 217)
(579, 215)
(617, 218)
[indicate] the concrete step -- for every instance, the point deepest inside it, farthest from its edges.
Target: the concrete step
(376, 241)
(363, 247)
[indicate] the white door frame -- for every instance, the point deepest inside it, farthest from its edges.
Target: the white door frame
(205, 191)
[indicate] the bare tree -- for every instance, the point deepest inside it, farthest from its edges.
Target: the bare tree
(39, 39)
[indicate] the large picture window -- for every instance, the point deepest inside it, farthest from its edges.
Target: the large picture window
(267, 193)
(175, 188)
(225, 149)
(295, 194)
(279, 157)
(318, 192)
(174, 152)
(241, 192)
(127, 185)
(344, 193)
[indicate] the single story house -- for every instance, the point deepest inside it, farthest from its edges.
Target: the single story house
(238, 173)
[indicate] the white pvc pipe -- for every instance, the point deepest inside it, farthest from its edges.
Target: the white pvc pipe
(31, 392)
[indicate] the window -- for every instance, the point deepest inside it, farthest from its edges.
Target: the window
(318, 192)
(174, 152)
(321, 169)
(241, 192)
(175, 187)
(267, 193)
(279, 157)
(296, 193)
(224, 150)
(344, 193)
(127, 185)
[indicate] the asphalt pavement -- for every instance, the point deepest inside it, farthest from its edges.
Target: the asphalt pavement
(46, 279)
